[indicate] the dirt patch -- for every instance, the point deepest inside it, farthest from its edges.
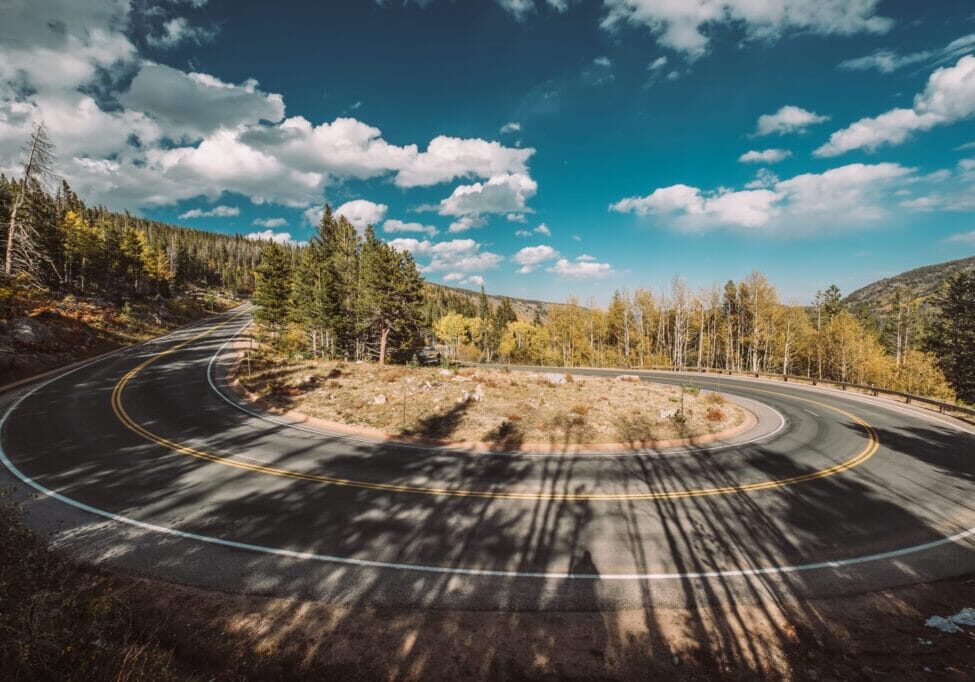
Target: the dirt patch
(509, 410)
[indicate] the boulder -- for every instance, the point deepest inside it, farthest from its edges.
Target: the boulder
(28, 331)
(668, 414)
(554, 379)
(627, 377)
(379, 400)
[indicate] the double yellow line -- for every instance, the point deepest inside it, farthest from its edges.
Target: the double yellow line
(123, 416)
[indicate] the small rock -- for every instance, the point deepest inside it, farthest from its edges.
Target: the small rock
(626, 377)
(460, 378)
(554, 379)
(379, 400)
(444, 372)
(667, 414)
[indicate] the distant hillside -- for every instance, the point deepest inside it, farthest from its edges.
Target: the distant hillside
(465, 300)
(921, 282)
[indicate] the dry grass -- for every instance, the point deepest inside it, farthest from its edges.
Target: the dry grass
(475, 404)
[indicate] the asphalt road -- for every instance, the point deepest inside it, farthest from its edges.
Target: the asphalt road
(143, 463)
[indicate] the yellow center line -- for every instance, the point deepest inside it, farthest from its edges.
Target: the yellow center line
(123, 416)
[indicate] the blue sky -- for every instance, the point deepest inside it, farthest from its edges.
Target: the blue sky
(542, 147)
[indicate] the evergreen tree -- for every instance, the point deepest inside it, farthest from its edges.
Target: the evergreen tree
(952, 334)
(273, 286)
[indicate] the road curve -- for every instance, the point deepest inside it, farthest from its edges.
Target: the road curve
(142, 462)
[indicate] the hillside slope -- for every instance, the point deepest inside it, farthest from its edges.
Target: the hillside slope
(920, 282)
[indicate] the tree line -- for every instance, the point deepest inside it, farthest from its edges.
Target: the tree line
(349, 295)
(56, 243)
(743, 326)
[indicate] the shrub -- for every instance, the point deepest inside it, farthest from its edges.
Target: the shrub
(580, 409)
(714, 398)
(714, 414)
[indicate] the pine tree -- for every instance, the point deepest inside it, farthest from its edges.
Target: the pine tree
(273, 286)
(952, 334)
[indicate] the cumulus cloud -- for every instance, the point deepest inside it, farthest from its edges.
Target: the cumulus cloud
(500, 194)
(948, 97)
(393, 226)
(788, 119)
(531, 257)
(581, 268)
(848, 195)
(456, 255)
(178, 30)
(270, 222)
(193, 105)
(157, 135)
(361, 212)
(215, 212)
(765, 156)
(541, 229)
(687, 26)
(272, 236)
(887, 61)
(465, 223)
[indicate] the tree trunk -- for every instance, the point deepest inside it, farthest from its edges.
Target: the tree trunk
(382, 345)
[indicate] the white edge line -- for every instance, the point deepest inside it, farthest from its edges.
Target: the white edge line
(325, 558)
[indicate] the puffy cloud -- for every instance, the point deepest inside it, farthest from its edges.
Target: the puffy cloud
(215, 212)
(581, 268)
(361, 212)
(193, 105)
(854, 193)
(531, 257)
(510, 127)
(447, 158)
(765, 156)
(270, 222)
(456, 255)
(272, 236)
(687, 26)
(788, 119)
(178, 30)
(886, 61)
(466, 223)
(393, 226)
(500, 194)
(461, 278)
(541, 229)
(948, 97)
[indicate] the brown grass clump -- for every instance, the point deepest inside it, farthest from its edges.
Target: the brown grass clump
(580, 409)
(714, 414)
(714, 398)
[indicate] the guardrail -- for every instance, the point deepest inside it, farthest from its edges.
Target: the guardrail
(909, 398)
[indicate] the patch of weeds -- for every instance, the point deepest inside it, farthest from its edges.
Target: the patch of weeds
(636, 429)
(714, 414)
(507, 435)
(714, 398)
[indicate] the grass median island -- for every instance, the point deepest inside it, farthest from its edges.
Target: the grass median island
(506, 409)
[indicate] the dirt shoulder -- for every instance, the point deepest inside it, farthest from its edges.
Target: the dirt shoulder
(491, 408)
(57, 333)
(61, 621)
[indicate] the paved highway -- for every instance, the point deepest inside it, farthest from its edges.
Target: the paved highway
(144, 463)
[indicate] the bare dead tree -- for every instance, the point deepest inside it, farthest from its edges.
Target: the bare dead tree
(22, 252)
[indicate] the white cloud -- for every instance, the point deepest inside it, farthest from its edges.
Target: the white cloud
(393, 226)
(886, 61)
(447, 158)
(461, 278)
(581, 268)
(270, 222)
(500, 194)
(848, 195)
(510, 127)
(178, 30)
(543, 229)
(531, 257)
(765, 156)
(687, 26)
(948, 97)
(272, 236)
(963, 238)
(456, 255)
(215, 212)
(788, 119)
(466, 223)
(193, 105)
(658, 63)
(361, 212)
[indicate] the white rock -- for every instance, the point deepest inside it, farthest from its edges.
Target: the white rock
(554, 379)
(460, 378)
(445, 372)
(626, 377)
(379, 400)
(667, 414)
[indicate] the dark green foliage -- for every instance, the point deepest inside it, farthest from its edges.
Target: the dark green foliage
(273, 286)
(952, 334)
